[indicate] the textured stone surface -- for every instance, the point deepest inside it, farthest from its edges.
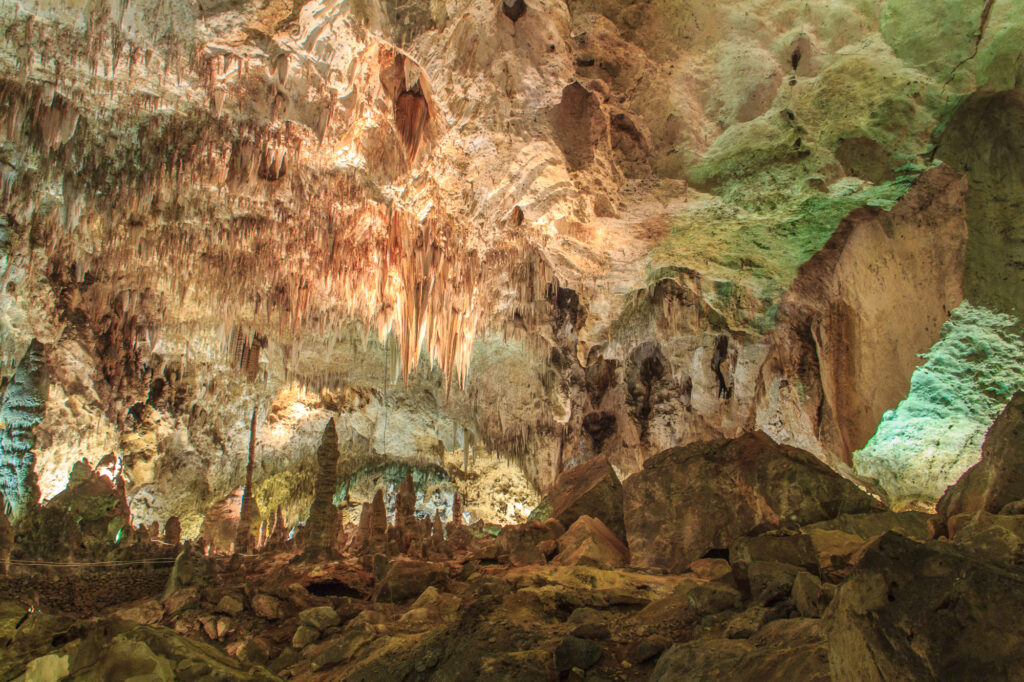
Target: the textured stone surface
(936, 432)
(588, 542)
(884, 621)
(523, 186)
(998, 478)
(690, 500)
(590, 489)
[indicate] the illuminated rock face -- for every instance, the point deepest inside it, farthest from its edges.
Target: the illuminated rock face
(581, 229)
(20, 411)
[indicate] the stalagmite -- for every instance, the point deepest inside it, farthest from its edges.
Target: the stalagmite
(340, 533)
(365, 523)
(6, 536)
(172, 531)
(378, 523)
(437, 532)
(456, 509)
(250, 513)
(405, 508)
(279, 536)
(323, 515)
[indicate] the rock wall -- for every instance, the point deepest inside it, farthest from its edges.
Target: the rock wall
(851, 329)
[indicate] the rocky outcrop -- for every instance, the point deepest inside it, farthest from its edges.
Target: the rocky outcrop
(588, 542)
(851, 327)
(998, 478)
(590, 489)
(783, 650)
(918, 611)
(980, 140)
(688, 501)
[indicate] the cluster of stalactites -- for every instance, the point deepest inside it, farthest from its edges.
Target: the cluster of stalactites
(252, 219)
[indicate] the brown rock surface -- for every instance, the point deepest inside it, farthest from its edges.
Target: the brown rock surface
(700, 497)
(998, 478)
(926, 611)
(859, 313)
(588, 542)
(591, 489)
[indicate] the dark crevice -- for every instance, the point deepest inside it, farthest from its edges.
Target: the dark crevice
(333, 588)
(985, 13)
(719, 356)
(513, 9)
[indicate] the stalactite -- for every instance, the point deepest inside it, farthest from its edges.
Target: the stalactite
(242, 216)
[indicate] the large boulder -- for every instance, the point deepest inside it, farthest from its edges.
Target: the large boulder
(588, 542)
(926, 611)
(407, 578)
(591, 489)
(995, 537)
(782, 650)
(700, 497)
(998, 478)
(519, 542)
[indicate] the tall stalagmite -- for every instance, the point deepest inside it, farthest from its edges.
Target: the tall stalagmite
(250, 513)
(322, 513)
(20, 410)
(378, 522)
(405, 508)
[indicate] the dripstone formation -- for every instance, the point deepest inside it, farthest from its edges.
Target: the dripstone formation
(533, 340)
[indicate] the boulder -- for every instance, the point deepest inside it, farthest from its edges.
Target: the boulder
(267, 606)
(809, 597)
(230, 604)
(319, 617)
(180, 600)
(998, 478)
(304, 636)
(782, 651)
(595, 631)
(519, 542)
(994, 537)
(147, 611)
(771, 581)
(713, 598)
(407, 578)
(745, 623)
(689, 500)
(710, 569)
(648, 648)
(576, 652)
(593, 489)
(835, 551)
(589, 542)
(255, 651)
(796, 550)
(926, 611)
(913, 524)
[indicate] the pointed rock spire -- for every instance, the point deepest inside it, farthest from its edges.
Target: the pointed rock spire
(323, 515)
(250, 513)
